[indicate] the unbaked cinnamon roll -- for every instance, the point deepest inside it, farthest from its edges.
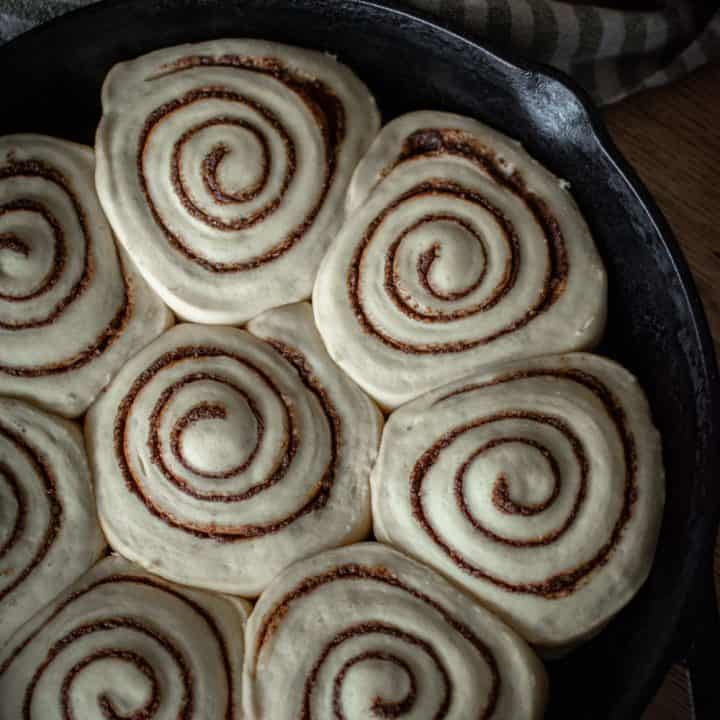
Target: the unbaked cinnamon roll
(221, 457)
(223, 166)
(49, 531)
(71, 309)
(460, 251)
(121, 643)
(538, 487)
(366, 632)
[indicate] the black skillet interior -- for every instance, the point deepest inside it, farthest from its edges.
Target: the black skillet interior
(51, 84)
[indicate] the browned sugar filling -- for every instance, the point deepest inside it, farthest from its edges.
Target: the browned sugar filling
(120, 623)
(206, 411)
(353, 572)
(325, 107)
(109, 334)
(425, 262)
(380, 707)
(55, 509)
(431, 142)
(212, 161)
(500, 491)
(433, 188)
(565, 582)
(150, 707)
(437, 143)
(318, 497)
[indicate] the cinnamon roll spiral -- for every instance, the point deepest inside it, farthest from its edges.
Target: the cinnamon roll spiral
(121, 643)
(460, 251)
(538, 487)
(220, 457)
(49, 531)
(71, 310)
(222, 167)
(382, 636)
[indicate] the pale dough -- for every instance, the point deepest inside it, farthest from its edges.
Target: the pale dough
(49, 530)
(221, 457)
(538, 487)
(460, 251)
(122, 643)
(72, 310)
(223, 166)
(366, 632)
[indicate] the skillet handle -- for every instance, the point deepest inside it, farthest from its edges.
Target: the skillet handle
(702, 657)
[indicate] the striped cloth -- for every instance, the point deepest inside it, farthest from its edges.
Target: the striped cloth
(611, 52)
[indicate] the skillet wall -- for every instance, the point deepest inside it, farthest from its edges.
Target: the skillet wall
(51, 84)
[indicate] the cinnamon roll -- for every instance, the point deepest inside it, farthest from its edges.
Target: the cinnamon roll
(121, 643)
(460, 251)
(49, 531)
(220, 457)
(71, 310)
(366, 632)
(223, 166)
(537, 486)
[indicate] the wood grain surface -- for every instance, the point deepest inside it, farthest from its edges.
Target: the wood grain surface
(672, 138)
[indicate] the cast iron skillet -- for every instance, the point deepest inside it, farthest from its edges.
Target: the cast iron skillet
(51, 80)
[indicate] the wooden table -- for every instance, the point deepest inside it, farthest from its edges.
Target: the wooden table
(672, 138)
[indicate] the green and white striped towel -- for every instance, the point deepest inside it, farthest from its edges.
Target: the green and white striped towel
(611, 52)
